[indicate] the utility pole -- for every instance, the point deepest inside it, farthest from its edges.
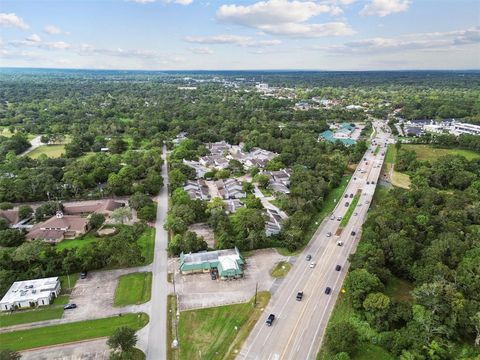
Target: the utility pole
(256, 289)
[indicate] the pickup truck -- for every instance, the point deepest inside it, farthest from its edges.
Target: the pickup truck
(270, 319)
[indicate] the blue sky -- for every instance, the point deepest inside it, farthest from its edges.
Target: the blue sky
(269, 34)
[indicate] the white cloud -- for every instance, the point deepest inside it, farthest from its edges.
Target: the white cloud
(232, 39)
(385, 7)
(288, 18)
(52, 30)
(12, 20)
(202, 50)
(34, 38)
(421, 41)
(143, 1)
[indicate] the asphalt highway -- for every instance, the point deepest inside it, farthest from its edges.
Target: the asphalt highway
(299, 326)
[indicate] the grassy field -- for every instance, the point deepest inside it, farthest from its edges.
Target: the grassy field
(401, 180)
(391, 154)
(147, 244)
(133, 289)
(399, 289)
(281, 269)
(328, 206)
(65, 333)
(219, 332)
(350, 210)
(171, 311)
(52, 151)
(427, 152)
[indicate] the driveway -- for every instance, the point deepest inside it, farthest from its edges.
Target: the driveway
(199, 291)
(86, 350)
(35, 142)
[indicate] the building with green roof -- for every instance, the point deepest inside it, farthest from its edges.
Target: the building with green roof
(229, 263)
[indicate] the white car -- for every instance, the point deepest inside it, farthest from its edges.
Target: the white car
(339, 243)
(312, 264)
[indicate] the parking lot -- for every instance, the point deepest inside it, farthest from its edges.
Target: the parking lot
(199, 290)
(87, 350)
(94, 295)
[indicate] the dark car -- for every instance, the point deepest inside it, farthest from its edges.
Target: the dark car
(368, 182)
(213, 275)
(346, 196)
(338, 268)
(373, 182)
(328, 290)
(351, 196)
(309, 257)
(347, 203)
(69, 306)
(83, 275)
(270, 319)
(299, 296)
(353, 233)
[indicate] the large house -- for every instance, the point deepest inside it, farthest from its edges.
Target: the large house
(59, 227)
(197, 190)
(30, 293)
(105, 207)
(279, 180)
(230, 189)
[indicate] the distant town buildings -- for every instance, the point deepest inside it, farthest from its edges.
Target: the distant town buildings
(420, 127)
(30, 293)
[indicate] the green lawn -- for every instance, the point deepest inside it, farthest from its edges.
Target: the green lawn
(281, 269)
(147, 244)
(350, 210)
(219, 332)
(78, 242)
(65, 333)
(133, 289)
(427, 152)
(391, 154)
(52, 151)
(401, 180)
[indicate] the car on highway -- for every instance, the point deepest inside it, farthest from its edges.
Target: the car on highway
(270, 319)
(346, 204)
(367, 202)
(368, 182)
(328, 290)
(373, 182)
(309, 257)
(332, 217)
(355, 214)
(313, 264)
(299, 296)
(353, 233)
(338, 268)
(339, 218)
(340, 243)
(70, 306)
(346, 196)
(351, 196)
(329, 234)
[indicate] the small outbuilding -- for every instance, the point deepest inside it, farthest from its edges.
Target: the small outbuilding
(228, 263)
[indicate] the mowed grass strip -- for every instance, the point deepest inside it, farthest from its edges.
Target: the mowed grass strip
(218, 332)
(52, 151)
(65, 333)
(280, 269)
(427, 152)
(133, 289)
(147, 244)
(350, 210)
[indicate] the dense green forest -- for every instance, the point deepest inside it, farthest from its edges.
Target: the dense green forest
(428, 237)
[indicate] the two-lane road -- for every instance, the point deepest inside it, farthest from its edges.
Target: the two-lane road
(299, 326)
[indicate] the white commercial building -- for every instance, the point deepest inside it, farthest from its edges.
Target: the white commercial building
(465, 128)
(30, 293)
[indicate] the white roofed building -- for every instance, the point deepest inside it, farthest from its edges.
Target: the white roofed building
(30, 293)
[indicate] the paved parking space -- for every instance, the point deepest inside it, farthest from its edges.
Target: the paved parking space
(87, 350)
(198, 290)
(94, 295)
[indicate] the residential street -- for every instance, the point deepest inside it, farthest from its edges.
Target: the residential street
(155, 349)
(299, 327)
